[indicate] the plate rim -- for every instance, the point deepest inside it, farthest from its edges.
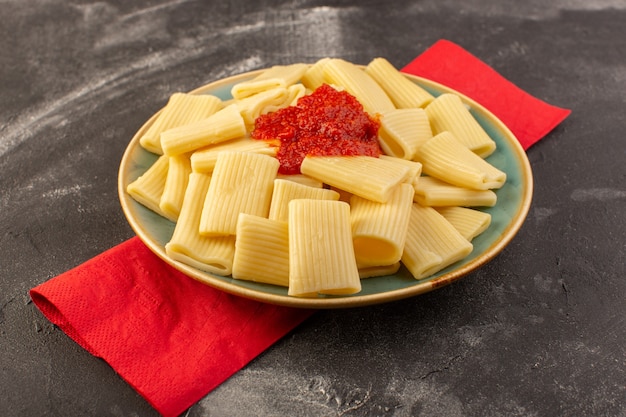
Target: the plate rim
(353, 300)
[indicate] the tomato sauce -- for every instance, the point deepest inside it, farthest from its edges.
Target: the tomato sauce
(324, 123)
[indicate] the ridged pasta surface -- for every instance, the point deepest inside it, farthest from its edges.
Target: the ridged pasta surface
(321, 255)
(241, 183)
(212, 254)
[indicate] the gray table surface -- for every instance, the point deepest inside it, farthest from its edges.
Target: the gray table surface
(539, 331)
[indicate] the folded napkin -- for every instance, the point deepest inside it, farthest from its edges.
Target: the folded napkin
(174, 339)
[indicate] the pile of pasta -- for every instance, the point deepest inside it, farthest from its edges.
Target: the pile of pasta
(344, 218)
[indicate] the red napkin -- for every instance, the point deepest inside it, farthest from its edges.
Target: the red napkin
(529, 118)
(174, 339)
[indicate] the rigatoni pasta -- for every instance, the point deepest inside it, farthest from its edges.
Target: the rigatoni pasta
(365, 176)
(432, 243)
(314, 75)
(147, 189)
(430, 191)
(447, 113)
(224, 125)
(203, 160)
(277, 76)
(212, 254)
(261, 250)
(403, 131)
(241, 183)
(444, 157)
(181, 109)
(415, 168)
(403, 93)
(301, 179)
(358, 83)
(469, 222)
(341, 218)
(179, 168)
(263, 102)
(321, 255)
(379, 229)
(284, 191)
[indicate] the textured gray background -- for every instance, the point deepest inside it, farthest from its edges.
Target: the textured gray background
(539, 331)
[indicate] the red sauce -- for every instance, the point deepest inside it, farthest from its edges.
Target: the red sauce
(326, 122)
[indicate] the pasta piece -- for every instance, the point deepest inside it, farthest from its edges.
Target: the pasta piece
(379, 229)
(175, 185)
(365, 176)
(403, 92)
(291, 96)
(321, 256)
(431, 191)
(378, 271)
(448, 113)
(301, 179)
(444, 157)
(276, 76)
(261, 250)
(261, 103)
(148, 188)
(294, 92)
(414, 167)
(211, 254)
(314, 75)
(402, 131)
(285, 191)
(358, 83)
(181, 109)
(203, 160)
(432, 243)
(242, 183)
(224, 125)
(469, 222)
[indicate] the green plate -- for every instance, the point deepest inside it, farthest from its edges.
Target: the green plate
(508, 214)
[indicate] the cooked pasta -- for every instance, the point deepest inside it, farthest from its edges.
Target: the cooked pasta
(179, 168)
(241, 183)
(211, 254)
(358, 83)
(224, 125)
(301, 179)
(365, 176)
(343, 218)
(181, 109)
(415, 168)
(444, 157)
(253, 106)
(148, 188)
(469, 222)
(430, 191)
(448, 113)
(261, 250)
(276, 76)
(294, 92)
(203, 160)
(403, 93)
(314, 75)
(321, 255)
(379, 229)
(432, 243)
(403, 131)
(284, 191)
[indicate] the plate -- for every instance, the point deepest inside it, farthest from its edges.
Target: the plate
(508, 214)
